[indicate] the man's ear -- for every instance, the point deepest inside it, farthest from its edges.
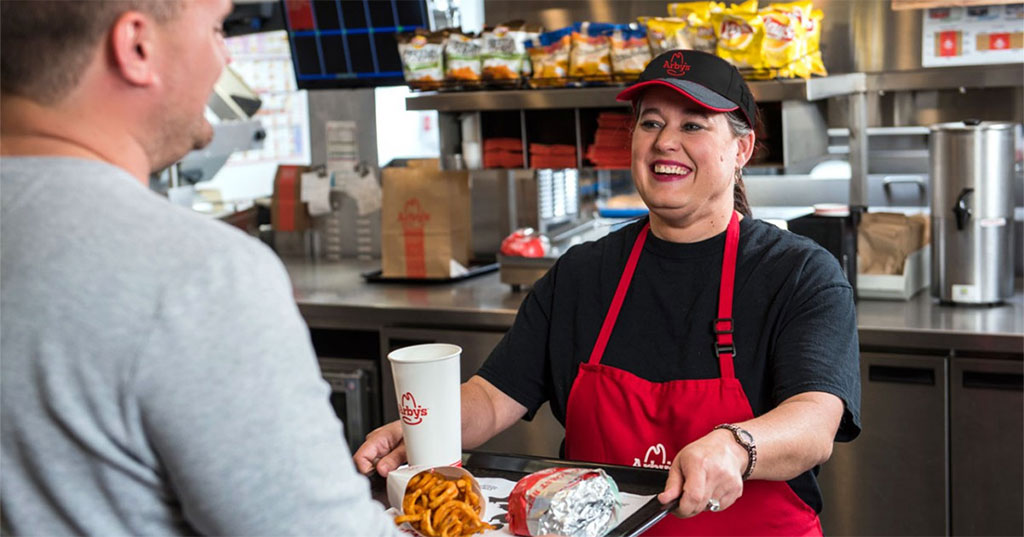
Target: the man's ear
(132, 42)
(745, 149)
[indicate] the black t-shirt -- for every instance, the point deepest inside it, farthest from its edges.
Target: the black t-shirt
(793, 311)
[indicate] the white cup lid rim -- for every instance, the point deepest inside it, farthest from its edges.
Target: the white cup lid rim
(423, 353)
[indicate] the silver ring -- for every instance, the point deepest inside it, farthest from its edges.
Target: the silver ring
(713, 506)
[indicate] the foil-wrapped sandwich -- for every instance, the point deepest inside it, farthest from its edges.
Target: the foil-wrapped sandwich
(575, 502)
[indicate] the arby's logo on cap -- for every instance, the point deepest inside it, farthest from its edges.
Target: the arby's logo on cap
(412, 414)
(676, 65)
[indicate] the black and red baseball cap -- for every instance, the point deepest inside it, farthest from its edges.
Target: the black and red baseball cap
(705, 78)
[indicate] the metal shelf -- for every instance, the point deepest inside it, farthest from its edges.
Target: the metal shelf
(537, 99)
(938, 78)
(974, 76)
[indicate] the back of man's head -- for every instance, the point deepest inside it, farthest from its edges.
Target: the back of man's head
(46, 45)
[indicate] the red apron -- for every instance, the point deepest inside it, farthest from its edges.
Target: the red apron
(615, 417)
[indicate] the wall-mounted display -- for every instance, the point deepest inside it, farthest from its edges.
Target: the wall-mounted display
(350, 43)
(972, 35)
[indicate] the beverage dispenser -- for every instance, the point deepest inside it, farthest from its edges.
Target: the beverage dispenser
(971, 165)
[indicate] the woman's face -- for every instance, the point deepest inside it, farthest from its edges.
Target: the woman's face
(685, 157)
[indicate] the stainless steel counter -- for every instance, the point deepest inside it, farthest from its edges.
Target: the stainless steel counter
(334, 295)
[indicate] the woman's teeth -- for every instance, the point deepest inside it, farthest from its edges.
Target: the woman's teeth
(670, 169)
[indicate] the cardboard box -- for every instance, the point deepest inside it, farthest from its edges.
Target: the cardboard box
(917, 274)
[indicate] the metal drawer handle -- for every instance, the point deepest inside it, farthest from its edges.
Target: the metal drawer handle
(890, 180)
(993, 381)
(901, 375)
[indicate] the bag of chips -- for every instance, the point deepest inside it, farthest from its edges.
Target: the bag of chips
(422, 54)
(699, 27)
(813, 57)
(462, 58)
(591, 56)
(630, 51)
(502, 52)
(666, 33)
(799, 14)
(784, 43)
(549, 57)
(739, 34)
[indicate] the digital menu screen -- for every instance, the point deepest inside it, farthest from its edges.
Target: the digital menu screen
(349, 43)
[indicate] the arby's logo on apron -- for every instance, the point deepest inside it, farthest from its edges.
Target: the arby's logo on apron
(412, 414)
(655, 457)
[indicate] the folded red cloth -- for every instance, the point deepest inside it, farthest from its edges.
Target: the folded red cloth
(552, 149)
(506, 144)
(615, 138)
(553, 162)
(503, 159)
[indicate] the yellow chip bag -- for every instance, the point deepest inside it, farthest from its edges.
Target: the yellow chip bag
(666, 33)
(739, 36)
(801, 12)
(813, 57)
(784, 40)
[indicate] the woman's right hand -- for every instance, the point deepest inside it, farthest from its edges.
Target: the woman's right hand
(383, 450)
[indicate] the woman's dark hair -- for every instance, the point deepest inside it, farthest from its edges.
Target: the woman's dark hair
(739, 127)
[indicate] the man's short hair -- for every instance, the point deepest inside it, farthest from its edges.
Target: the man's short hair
(45, 45)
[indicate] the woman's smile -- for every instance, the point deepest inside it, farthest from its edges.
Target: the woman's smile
(666, 171)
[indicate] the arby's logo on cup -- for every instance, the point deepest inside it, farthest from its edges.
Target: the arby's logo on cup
(412, 413)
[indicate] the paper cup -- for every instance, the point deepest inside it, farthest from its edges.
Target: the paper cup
(429, 403)
(399, 478)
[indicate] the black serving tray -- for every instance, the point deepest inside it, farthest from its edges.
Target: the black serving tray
(374, 276)
(641, 481)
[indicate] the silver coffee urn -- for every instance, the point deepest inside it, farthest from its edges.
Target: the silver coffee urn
(971, 164)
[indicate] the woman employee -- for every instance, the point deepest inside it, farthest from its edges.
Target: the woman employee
(698, 340)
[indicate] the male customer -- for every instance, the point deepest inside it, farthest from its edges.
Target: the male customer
(156, 375)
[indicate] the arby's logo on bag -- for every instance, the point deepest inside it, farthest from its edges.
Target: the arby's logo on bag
(412, 414)
(655, 457)
(413, 216)
(676, 65)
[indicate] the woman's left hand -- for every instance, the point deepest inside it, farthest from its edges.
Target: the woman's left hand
(709, 468)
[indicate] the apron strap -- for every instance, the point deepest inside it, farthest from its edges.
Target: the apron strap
(620, 295)
(723, 326)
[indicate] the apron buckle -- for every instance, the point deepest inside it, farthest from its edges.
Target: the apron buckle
(717, 328)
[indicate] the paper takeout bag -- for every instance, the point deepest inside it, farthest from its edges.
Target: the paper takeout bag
(425, 222)
(885, 240)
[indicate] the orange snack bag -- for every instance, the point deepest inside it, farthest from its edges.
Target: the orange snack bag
(630, 52)
(591, 54)
(549, 56)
